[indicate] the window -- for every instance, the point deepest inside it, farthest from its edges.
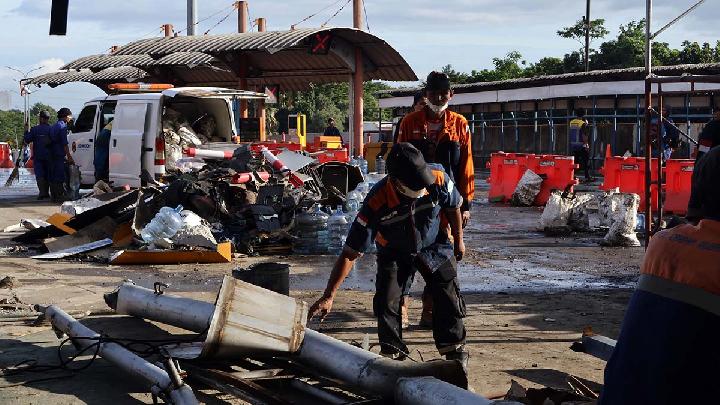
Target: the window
(107, 113)
(85, 120)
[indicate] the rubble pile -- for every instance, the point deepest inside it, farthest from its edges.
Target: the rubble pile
(246, 202)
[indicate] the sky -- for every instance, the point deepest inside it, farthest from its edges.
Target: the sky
(429, 34)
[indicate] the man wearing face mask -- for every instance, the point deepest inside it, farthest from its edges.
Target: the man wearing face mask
(59, 154)
(404, 212)
(443, 137)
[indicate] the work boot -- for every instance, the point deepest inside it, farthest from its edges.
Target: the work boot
(427, 311)
(461, 355)
(43, 188)
(404, 311)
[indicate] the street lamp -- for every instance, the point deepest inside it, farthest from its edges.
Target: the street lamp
(25, 93)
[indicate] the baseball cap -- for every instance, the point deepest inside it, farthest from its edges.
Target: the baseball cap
(44, 114)
(406, 163)
(437, 81)
(704, 185)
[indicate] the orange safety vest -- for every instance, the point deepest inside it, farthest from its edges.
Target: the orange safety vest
(455, 128)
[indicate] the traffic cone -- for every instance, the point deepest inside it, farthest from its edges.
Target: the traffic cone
(608, 151)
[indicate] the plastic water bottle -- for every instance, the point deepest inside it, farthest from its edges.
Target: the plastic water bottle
(640, 226)
(311, 228)
(338, 229)
(353, 201)
(380, 165)
(363, 164)
(165, 224)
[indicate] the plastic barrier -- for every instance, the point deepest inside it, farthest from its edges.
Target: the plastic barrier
(678, 179)
(331, 155)
(628, 175)
(506, 169)
(557, 171)
(6, 161)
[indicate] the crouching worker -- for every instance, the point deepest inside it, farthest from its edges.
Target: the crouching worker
(667, 351)
(408, 213)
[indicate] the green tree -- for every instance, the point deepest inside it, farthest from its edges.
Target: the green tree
(577, 30)
(11, 122)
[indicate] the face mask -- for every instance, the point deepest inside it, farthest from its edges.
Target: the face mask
(406, 191)
(437, 109)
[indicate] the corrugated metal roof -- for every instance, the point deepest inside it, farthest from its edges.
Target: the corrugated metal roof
(125, 73)
(634, 73)
(274, 57)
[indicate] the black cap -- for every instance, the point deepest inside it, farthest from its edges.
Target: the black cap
(63, 112)
(705, 191)
(406, 163)
(44, 114)
(437, 81)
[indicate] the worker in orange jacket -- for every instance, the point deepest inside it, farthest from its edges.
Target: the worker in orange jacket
(443, 137)
(668, 342)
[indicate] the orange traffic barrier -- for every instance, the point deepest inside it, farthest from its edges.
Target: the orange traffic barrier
(628, 175)
(6, 161)
(331, 155)
(558, 173)
(506, 169)
(678, 179)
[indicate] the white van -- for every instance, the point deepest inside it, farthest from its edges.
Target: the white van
(136, 141)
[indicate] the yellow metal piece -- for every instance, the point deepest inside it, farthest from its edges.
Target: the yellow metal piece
(297, 126)
(372, 149)
(58, 221)
(223, 254)
(328, 142)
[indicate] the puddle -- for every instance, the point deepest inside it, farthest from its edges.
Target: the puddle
(522, 276)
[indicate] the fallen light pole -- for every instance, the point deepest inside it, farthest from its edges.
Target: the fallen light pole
(172, 391)
(431, 391)
(360, 368)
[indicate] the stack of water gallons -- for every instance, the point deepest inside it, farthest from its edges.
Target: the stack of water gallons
(338, 230)
(312, 233)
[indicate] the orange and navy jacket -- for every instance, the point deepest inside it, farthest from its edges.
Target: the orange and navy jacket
(402, 225)
(668, 340)
(455, 129)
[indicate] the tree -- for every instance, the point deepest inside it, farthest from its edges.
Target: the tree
(545, 66)
(577, 31)
(11, 122)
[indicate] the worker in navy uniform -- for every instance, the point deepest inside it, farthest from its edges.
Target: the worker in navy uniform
(39, 137)
(59, 154)
(407, 215)
(331, 129)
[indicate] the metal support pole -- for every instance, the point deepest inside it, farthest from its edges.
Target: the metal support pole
(242, 8)
(191, 16)
(661, 158)
(168, 29)
(261, 23)
(357, 82)
(648, 124)
(156, 378)
(587, 36)
(482, 134)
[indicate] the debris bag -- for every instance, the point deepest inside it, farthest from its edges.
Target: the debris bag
(621, 209)
(188, 136)
(74, 182)
(527, 189)
(205, 127)
(194, 232)
(173, 149)
(189, 164)
(76, 207)
(562, 212)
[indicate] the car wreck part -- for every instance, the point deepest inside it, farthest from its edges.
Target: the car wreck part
(209, 154)
(246, 318)
(359, 368)
(160, 383)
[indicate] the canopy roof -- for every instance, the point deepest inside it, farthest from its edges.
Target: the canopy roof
(281, 58)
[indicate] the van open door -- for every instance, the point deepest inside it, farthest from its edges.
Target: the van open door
(130, 127)
(81, 141)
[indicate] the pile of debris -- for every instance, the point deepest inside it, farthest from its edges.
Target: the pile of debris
(207, 206)
(612, 213)
(253, 344)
